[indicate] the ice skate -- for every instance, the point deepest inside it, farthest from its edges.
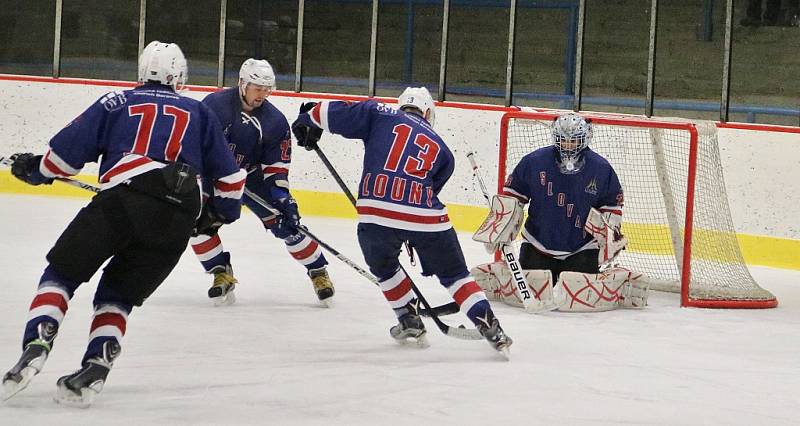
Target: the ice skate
(410, 331)
(221, 292)
(31, 361)
(495, 335)
(80, 388)
(322, 285)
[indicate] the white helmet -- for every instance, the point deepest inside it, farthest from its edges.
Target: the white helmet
(256, 71)
(571, 127)
(163, 63)
(419, 98)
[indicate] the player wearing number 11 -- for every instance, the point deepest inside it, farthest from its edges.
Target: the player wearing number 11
(406, 165)
(154, 146)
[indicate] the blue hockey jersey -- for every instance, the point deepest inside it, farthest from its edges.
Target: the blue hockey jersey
(406, 163)
(143, 129)
(259, 139)
(560, 203)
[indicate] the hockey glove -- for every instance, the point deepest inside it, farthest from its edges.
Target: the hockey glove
(307, 136)
(209, 222)
(26, 169)
(289, 220)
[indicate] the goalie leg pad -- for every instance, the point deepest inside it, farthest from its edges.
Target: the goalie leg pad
(610, 289)
(502, 225)
(496, 281)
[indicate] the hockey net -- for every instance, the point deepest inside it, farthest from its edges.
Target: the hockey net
(676, 215)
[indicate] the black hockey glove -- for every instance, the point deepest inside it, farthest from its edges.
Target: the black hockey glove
(26, 169)
(307, 136)
(209, 222)
(289, 220)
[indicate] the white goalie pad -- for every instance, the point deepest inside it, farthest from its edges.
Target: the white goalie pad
(609, 239)
(502, 225)
(611, 289)
(496, 281)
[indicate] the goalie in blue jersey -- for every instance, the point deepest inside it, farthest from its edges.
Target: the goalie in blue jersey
(154, 147)
(575, 202)
(258, 134)
(406, 165)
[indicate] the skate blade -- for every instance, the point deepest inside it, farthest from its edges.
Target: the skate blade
(418, 342)
(504, 351)
(69, 398)
(225, 300)
(11, 388)
(327, 303)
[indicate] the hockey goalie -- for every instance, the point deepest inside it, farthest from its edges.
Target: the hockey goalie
(611, 288)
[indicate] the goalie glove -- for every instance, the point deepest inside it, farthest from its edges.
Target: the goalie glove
(609, 239)
(502, 225)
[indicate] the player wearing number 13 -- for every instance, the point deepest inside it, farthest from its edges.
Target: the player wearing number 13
(153, 145)
(406, 165)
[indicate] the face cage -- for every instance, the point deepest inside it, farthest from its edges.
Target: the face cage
(571, 160)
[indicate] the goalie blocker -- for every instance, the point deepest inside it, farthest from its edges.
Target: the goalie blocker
(575, 291)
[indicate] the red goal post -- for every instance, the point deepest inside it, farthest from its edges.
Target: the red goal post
(676, 215)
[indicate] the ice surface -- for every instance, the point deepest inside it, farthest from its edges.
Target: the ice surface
(277, 357)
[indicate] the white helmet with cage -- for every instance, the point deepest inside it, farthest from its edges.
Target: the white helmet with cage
(420, 99)
(571, 135)
(256, 71)
(163, 63)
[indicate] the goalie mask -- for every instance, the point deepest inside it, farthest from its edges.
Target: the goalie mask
(571, 135)
(418, 98)
(163, 63)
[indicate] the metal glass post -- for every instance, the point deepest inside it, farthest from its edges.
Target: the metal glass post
(576, 104)
(298, 63)
(142, 23)
(725, 100)
(512, 35)
(443, 56)
(57, 40)
(373, 47)
(223, 17)
(651, 61)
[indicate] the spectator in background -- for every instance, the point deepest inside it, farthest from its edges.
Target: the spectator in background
(773, 14)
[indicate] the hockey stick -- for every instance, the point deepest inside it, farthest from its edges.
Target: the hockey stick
(433, 313)
(8, 162)
(459, 333)
(524, 290)
(447, 308)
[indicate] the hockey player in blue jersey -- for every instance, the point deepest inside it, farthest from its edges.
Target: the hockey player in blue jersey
(406, 165)
(258, 134)
(562, 183)
(153, 146)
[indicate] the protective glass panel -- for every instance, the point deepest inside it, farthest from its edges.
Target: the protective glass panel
(544, 55)
(689, 59)
(336, 39)
(615, 56)
(26, 31)
(409, 46)
(765, 87)
(477, 52)
(100, 39)
(195, 29)
(261, 30)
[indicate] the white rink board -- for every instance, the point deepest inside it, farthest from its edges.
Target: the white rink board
(276, 357)
(761, 175)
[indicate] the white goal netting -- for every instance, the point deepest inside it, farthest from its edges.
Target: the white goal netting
(670, 170)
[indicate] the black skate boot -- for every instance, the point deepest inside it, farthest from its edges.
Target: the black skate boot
(80, 388)
(31, 361)
(410, 329)
(490, 329)
(322, 285)
(221, 292)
